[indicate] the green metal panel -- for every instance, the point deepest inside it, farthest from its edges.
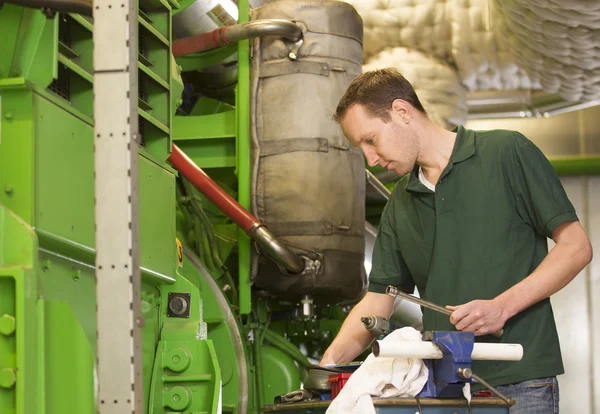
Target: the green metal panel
(157, 218)
(69, 362)
(73, 283)
(280, 374)
(64, 174)
(16, 149)
(69, 293)
(35, 48)
(64, 191)
(21, 359)
(10, 20)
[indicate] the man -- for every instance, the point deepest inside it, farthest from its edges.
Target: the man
(467, 224)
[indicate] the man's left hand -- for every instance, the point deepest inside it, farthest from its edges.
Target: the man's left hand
(482, 317)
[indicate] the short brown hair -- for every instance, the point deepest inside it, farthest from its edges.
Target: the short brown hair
(376, 90)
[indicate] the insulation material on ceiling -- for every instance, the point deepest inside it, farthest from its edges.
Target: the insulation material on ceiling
(437, 84)
(557, 42)
(459, 32)
(416, 24)
(480, 53)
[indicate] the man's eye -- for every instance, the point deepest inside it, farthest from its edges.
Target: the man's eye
(370, 141)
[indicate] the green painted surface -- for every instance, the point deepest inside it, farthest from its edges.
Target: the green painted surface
(20, 350)
(16, 151)
(186, 372)
(70, 362)
(62, 139)
(279, 372)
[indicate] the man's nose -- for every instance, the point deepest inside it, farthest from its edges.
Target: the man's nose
(371, 156)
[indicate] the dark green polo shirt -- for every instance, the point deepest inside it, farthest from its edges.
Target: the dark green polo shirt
(483, 230)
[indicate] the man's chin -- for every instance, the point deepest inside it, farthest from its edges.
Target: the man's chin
(401, 171)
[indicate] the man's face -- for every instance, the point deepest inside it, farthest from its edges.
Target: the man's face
(392, 145)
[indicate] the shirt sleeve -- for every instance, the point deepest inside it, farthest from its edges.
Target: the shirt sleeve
(388, 267)
(541, 199)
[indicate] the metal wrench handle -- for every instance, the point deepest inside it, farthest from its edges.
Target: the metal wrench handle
(393, 291)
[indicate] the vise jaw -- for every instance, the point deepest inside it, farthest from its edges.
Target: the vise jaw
(444, 379)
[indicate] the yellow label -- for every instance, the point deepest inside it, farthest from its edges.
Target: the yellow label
(179, 253)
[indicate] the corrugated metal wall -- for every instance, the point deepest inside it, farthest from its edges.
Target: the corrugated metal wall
(576, 307)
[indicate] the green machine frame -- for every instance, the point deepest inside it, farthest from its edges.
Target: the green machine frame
(229, 351)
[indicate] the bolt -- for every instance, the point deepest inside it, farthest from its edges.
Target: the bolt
(179, 102)
(292, 56)
(76, 275)
(8, 115)
(7, 378)
(179, 68)
(8, 189)
(178, 305)
(7, 324)
(464, 373)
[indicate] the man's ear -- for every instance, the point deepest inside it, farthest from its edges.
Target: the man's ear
(401, 108)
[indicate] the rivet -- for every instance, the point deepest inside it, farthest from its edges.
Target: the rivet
(8, 115)
(7, 324)
(8, 189)
(7, 378)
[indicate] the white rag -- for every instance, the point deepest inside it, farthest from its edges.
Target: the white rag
(382, 377)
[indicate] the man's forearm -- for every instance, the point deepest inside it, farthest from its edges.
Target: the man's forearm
(353, 338)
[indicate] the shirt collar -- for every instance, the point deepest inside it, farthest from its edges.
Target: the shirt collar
(464, 148)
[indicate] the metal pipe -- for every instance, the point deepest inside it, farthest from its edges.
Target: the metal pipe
(232, 34)
(250, 224)
(277, 252)
(532, 111)
(210, 189)
(62, 6)
(482, 351)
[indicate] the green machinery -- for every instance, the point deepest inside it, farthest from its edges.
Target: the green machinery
(231, 351)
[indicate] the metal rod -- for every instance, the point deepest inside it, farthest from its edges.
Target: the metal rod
(378, 185)
(466, 373)
(393, 291)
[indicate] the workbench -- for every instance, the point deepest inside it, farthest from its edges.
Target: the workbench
(402, 406)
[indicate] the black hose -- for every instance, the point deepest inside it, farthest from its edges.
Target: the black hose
(62, 6)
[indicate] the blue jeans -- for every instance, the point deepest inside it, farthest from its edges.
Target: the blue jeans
(538, 396)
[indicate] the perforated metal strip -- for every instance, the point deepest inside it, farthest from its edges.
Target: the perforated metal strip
(116, 208)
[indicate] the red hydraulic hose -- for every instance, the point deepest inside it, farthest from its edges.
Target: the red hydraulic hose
(210, 189)
(200, 42)
(272, 248)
